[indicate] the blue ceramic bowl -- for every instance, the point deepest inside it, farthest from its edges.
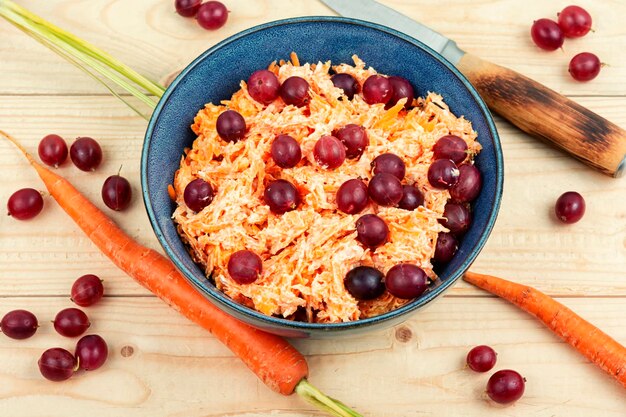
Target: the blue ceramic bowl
(215, 75)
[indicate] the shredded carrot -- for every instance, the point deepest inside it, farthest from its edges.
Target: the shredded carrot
(171, 192)
(307, 252)
(278, 364)
(294, 59)
(273, 67)
(586, 338)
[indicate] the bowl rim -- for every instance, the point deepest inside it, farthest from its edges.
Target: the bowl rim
(218, 297)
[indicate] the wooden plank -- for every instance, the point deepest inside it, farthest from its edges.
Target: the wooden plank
(150, 37)
(527, 243)
(161, 364)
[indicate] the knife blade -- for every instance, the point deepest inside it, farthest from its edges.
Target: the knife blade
(386, 16)
(531, 106)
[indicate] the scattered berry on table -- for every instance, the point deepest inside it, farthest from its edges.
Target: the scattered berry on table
(52, 150)
(212, 15)
(570, 207)
(19, 324)
(547, 34)
(25, 204)
(481, 358)
(116, 193)
(71, 322)
(187, 8)
(91, 352)
(86, 154)
(87, 290)
(57, 364)
(574, 21)
(506, 386)
(585, 66)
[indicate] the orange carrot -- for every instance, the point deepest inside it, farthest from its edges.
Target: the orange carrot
(278, 364)
(593, 343)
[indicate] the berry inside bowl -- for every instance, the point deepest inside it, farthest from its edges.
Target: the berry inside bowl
(215, 76)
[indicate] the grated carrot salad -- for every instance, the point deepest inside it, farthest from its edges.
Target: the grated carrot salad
(307, 252)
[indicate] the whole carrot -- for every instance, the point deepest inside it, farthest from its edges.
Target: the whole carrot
(278, 364)
(593, 343)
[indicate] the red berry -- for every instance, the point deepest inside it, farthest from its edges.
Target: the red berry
(585, 66)
(244, 266)
(570, 207)
(281, 196)
(91, 352)
(481, 358)
(57, 364)
(295, 91)
(506, 386)
(187, 8)
(19, 324)
(87, 290)
(86, 154)
(329, 152)
(263, 86)
(212, 15)
(574, 21)
(116, 193)
(547, 34)
(377, 89)
(71, 322)
(406, 281)
(25, 204)
(52, 150)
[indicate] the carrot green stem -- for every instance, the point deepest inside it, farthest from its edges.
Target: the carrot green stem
(95, 62)
(84, 68)
(325, 403)
(84, 47)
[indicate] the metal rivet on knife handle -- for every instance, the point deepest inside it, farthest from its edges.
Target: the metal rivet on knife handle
(544, 113)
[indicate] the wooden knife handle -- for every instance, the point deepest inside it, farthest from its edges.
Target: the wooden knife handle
(544, 113)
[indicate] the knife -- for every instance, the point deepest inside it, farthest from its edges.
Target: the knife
(529, 105)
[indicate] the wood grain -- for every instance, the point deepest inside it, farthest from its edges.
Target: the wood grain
(587, 258)
(150, 37)
(161, 364)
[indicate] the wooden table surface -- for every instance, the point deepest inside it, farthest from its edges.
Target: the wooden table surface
(160, 364)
